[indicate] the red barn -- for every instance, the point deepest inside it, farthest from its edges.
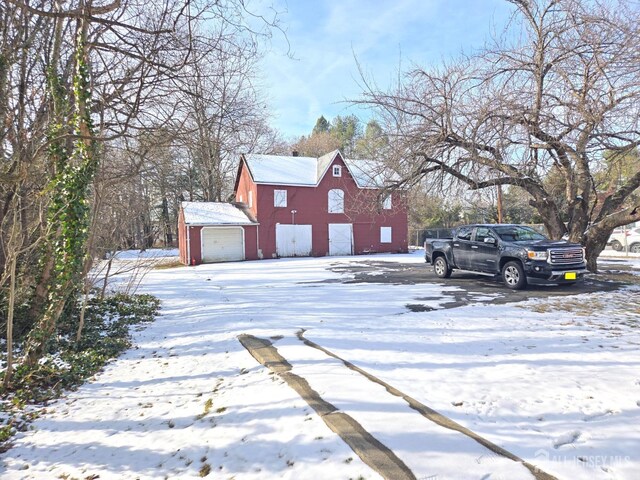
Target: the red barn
(305, 206)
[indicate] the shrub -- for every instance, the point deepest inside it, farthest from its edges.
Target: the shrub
(68, 363)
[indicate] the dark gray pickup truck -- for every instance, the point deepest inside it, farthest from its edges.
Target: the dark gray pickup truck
(515, 252)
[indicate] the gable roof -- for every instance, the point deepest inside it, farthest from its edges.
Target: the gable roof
(370, 173)
(309, 171)
(214, 213)
(282, 170)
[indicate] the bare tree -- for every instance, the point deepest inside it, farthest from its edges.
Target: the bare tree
(75, 76)
(316, 144)
(223, 112)
(557, 91)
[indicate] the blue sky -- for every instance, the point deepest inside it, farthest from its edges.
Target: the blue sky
(324, 36)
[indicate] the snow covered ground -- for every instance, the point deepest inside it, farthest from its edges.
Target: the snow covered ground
(555, 381)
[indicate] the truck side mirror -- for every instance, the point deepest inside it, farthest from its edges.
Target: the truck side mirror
(490, 240)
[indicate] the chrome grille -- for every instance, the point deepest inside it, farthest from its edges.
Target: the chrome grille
(566, 256)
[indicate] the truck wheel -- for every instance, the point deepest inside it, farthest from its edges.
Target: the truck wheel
(441, 268)
(634, 248)
(616, 245)
(513, 276)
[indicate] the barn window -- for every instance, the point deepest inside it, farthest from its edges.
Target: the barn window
(385, 234)
(250, 198)
(337, 171)
(336, 201)
(386, 202)
(279, 198)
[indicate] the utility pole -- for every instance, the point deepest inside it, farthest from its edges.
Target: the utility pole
(499, 187)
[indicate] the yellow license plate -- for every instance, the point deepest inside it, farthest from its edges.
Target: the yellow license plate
(570, 276)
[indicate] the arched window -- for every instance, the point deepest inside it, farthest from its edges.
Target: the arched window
(336, 201)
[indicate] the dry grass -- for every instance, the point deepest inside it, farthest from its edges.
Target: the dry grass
(604, 310)
(618, 276)
(580, 307)
(164, 265)
(207, 408)
(205, 470)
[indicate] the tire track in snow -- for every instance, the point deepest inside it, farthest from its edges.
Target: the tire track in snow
(372, 452)
(431, 414)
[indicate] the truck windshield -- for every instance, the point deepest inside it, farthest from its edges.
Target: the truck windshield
(516, 233)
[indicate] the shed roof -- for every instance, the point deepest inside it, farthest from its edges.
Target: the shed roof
(308, 171)
(214, 213)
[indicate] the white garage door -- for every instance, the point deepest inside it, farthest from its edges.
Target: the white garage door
(222, 244)
(293, 240)
(340, 239)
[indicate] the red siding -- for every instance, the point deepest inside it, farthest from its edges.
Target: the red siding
(251, 242)
(182, 239)
(188, 242)
(244, 185)
(196, 245)
(361, 210)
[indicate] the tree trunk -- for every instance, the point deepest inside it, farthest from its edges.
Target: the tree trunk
(41, 334)
(12, 298)
(550, 218)
(105, 283)
(595, 243)
(168, 237)
(82, 312)
(42, 288)
(593, 249)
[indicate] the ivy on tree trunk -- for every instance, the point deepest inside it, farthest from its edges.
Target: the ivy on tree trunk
(68, 213)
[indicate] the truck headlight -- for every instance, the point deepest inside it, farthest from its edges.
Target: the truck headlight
(537, 255)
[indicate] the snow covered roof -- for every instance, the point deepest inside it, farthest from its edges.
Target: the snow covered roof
(214, 213)
(308, 171)
(370, 173)
(282, 170)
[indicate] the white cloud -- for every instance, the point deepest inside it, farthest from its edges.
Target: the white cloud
(325, 35)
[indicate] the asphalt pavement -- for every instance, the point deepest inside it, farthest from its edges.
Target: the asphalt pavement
(474, 288)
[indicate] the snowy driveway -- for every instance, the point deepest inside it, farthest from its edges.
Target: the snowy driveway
(554, 381)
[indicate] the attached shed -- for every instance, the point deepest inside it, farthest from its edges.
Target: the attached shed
(210, 232)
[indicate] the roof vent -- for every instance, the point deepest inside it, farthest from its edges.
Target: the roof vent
(294, 153)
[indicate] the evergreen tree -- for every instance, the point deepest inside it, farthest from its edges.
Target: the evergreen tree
(322, 126)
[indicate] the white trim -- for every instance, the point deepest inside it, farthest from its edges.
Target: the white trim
(258, 254)
(188, 227)
(202, 224)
